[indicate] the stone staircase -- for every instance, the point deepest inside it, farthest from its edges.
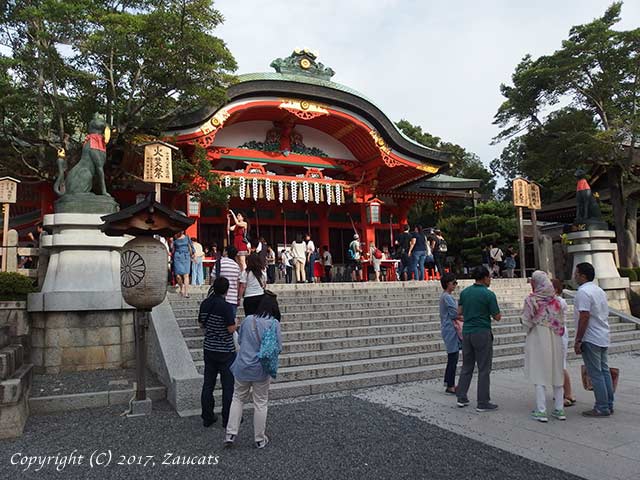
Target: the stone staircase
(15, 371)
(343, 336)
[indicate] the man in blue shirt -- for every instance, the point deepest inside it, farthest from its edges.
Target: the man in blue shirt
(217, 318)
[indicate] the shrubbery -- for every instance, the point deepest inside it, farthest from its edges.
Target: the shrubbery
(633, 273)
(14, 286)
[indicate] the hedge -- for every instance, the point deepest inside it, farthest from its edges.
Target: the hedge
(14, 286)
(630, 273)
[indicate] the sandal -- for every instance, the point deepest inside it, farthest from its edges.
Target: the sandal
(569, 402)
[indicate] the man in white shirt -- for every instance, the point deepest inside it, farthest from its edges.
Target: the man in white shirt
(230, 270)
(310, 251)
(196, 262)
(591, 312)
(495, 253)
(327, 261)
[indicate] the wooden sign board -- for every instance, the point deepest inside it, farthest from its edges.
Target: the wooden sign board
(521, 193)
(157, 163)
(534, 196)
(8, 190)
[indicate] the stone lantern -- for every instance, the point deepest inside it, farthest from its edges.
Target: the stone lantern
(143, 271)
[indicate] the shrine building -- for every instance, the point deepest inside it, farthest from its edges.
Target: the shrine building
(303, 153)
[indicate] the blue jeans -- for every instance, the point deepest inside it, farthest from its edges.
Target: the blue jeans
(417, 259)
(595, 361)
(196, 272)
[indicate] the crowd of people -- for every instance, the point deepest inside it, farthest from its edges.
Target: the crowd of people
(234, 349)
(466, 325)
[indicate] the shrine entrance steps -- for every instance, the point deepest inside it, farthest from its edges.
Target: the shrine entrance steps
(342, 336)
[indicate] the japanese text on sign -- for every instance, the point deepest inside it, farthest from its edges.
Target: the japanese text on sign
(521, 193)
(8, 191)
(157, 164)
(534, 194)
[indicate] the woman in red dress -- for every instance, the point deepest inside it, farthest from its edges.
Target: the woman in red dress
(240, 237)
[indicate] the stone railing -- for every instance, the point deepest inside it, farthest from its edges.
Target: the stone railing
(15, 254)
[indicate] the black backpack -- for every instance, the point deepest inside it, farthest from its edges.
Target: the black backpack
(442, 246)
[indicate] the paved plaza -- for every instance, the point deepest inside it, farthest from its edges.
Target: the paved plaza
(408, 431)
(598, 449)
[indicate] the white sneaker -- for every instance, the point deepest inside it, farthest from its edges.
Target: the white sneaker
(263, 443)
(228, 440)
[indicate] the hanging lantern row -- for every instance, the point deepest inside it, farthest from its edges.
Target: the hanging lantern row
(284, 190)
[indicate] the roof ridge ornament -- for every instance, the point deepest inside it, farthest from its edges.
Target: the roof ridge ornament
(302, 62)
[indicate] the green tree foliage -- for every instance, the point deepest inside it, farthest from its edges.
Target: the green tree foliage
(467, 234)
(597, 73)
(465, 164)
(135, 61)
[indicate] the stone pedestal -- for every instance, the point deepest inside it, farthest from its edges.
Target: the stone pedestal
(79, 319)
(597, 248)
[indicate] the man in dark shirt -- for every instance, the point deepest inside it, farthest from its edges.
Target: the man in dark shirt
(217, 318)
(402, 254)
(418, 252)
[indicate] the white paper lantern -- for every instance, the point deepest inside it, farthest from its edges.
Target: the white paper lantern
(243, 188)
(143, 272)
(256, 188)
(294, 191)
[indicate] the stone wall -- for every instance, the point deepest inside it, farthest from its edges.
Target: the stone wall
(76, 341)
(15, 374)
(634, 298)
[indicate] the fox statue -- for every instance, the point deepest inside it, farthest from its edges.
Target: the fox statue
(91, 164)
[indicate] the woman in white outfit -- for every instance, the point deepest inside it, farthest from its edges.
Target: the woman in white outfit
(299, 251)
(544, 318)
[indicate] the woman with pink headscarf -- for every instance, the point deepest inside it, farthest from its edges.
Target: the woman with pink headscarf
(544, 318)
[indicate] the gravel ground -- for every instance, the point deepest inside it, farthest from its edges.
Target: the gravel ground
(337, 438)
(83, 382)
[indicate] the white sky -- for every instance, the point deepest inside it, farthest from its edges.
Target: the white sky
(436, 63)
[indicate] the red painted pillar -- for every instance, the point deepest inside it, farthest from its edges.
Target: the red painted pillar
(368, 230)
(47, 198)
(192, 231)
(403, 211)
(324, 227)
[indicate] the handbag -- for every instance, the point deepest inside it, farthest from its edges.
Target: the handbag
(586, 380)
(269, 348)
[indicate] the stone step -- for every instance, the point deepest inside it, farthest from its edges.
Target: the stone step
(323, 288)
(325, 313)
(291, 309)
(366, 296)
(432, 328)
(431, 338)
(11, 359)
(428, 365)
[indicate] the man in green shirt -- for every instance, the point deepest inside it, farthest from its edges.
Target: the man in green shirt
(477, 306)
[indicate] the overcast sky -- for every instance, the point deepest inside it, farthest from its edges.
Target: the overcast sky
(436, 63)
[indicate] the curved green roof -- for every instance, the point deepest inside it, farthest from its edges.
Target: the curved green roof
(289, 77)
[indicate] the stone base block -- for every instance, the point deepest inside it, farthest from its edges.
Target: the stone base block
(138, 408)
(79, 341)
(14, 402)
(86, 203)
(13, 418)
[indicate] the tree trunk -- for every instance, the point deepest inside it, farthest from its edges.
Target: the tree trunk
(625, 212)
